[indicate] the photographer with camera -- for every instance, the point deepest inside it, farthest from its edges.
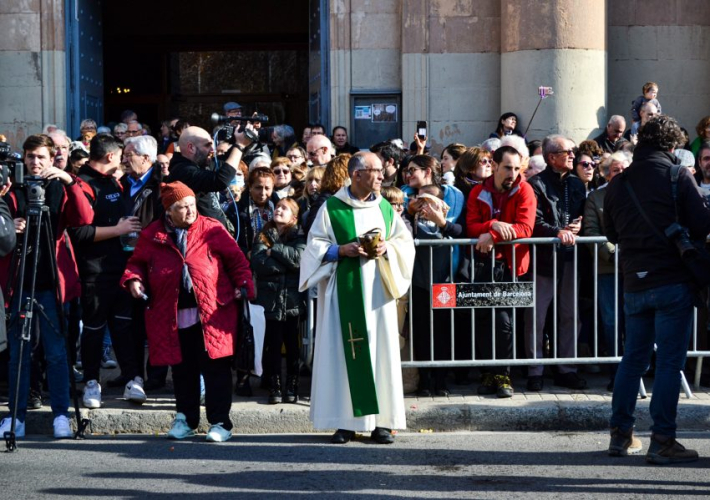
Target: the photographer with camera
(650, 217)
(101, 261)
(68, 207)
(191, 167)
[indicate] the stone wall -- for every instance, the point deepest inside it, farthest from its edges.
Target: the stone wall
(665, 41)
(32, 67)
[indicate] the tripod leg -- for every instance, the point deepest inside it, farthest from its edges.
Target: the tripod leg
(24, 314)
(81, 423)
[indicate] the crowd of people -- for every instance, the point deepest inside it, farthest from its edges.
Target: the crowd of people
(157, 238)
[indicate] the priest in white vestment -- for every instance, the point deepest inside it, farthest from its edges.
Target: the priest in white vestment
(357, 375)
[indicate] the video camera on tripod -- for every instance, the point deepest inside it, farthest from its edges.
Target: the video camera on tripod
(226, 133)
(11, 167)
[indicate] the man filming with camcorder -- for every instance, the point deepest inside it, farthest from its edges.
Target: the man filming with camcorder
(63, 202)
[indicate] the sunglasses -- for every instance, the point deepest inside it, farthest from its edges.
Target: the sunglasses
(587, 164)
(279, 171)
(485, 161)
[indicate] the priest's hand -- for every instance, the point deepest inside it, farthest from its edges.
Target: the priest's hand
(351, 250)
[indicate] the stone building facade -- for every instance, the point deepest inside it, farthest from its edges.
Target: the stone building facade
(456, 63)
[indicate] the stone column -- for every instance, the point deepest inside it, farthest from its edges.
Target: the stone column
(560, 44)
(450, 69)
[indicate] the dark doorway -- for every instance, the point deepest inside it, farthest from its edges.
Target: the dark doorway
(166, 59)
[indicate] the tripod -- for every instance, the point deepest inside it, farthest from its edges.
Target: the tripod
(38, 222)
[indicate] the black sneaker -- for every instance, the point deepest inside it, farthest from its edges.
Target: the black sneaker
(488, 385)
(666, 450)
(504, 387)
(34, 402)
(382, 436)
(570, 380)
(622, 444)
(535, 383)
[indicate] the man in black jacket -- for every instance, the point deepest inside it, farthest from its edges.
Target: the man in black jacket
(189, 166)
(658, 290)
(612, 133)
(560, 205)
(101, 260)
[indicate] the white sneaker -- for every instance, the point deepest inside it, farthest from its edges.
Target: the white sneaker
(92, 394)
(218, 434)
(6, 423)
(134, 391)
(180, 429)
(62, 429)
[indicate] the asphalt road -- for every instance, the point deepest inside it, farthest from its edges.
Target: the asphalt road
(452, 465)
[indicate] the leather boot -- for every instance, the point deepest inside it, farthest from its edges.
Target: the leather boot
(275, 390)
(292, 388)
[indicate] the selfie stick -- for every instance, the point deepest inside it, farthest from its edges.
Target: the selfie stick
(543, 92)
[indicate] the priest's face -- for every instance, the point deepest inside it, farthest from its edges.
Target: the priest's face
(370, 178)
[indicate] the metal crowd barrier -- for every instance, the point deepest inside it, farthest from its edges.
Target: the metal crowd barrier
(595, 356)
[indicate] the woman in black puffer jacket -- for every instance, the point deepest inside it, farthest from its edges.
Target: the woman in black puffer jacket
(276, 262)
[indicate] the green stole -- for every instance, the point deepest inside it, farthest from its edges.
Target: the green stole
(353, 324)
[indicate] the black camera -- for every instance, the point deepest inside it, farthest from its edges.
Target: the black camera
(681, 237)
(10, 164)
(226, 133)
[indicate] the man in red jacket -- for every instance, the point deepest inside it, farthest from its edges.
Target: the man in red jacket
(500, 209)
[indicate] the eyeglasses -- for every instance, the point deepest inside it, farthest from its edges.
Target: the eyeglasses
(315, 153)
(281, 171)
(397, 206)
(376, 171)
(568, 152)
(485, 161)
(411, 170)
(133, 132)
(587, 164)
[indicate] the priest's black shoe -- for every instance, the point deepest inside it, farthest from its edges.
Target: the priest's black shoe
(342, 436)
(382, 436)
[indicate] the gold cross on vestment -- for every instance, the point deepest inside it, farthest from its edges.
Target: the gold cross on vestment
(353, 340)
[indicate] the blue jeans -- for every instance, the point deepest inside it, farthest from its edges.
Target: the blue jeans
(662, 315)
(55, 354)
(607, 307)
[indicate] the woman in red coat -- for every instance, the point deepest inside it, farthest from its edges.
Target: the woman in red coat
(191, 272)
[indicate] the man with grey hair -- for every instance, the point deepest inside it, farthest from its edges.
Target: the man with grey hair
(560, 205)
(61, 145)
(612, 133)
(141, 192)
(647, 111)
(134, 129)
(360, 255)
(320, 150)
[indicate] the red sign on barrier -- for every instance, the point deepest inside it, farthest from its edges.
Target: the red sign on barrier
(444, 295)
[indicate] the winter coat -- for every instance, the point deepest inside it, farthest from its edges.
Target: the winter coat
(277, 274)
(7, 244)
(151, 208)
(519, 210)
(217, 267)
(593, 225)
(647, 261)
(68, 207)
(560, 200)
(206, 183)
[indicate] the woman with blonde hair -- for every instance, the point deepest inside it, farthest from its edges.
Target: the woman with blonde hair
(276, 262)
(335, 176)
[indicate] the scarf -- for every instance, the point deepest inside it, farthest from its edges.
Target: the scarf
(181, 242)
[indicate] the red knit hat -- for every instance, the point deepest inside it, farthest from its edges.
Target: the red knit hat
(172, 192)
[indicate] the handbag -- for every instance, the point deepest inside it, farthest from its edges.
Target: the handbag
(244, 347)
(693, 254)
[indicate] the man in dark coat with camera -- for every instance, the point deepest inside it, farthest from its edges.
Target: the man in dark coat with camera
(649, 227)
(190, 166)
